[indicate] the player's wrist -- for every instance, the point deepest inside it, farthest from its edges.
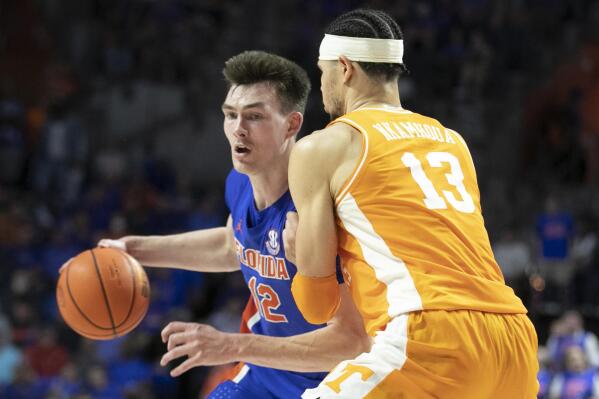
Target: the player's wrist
(134, 245)
(238, 346)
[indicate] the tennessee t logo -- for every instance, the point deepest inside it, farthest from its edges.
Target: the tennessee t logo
(350, 369)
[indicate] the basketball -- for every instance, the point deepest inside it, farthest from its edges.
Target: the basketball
(103, 293)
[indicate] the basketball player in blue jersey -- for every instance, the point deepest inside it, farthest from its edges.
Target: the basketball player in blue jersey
(285, 355)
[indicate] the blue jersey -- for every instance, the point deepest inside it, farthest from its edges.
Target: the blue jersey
(559, 344)
(570, 385)
(544, 377)
(268, 274)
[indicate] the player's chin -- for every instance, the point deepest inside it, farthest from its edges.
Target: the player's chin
(243, 165)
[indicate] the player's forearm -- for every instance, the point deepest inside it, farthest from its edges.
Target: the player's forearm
(318, 350)
(204, 250)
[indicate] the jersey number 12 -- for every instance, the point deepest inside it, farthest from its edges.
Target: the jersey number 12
(267, 301)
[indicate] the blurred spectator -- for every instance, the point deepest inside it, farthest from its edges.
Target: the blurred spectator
(118, 59)
(67, 384)
(585, 241)
(46, 356)
(204, 212)
(577, 381)
(10, 355)
(60, 163)
(545, 376)
(476, 66)
(555, 229)
(585, 254)
(513, 256)
(12, 141)
(60, 248)
(131, 369)
(98, 385)
(24, 317)
(26, 385)
(568, 331)
(590, 118)
(227, 318)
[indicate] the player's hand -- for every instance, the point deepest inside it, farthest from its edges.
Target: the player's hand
(104, 243)
(64, 265)
(121, 243)
(289, 235)
(201, 344)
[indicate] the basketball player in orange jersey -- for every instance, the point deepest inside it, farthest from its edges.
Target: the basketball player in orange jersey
(394, 193)
(285, 355)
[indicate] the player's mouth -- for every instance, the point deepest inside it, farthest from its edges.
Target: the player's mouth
(241, 150)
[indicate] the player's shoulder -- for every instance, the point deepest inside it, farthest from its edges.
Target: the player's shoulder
(234, 178)
(235, 185)
(326, 142)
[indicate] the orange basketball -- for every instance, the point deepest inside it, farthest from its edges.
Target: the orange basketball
(103, 293)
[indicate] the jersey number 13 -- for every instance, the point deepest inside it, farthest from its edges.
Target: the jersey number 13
(463, 202)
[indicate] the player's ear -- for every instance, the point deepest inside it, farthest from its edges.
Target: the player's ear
(294, 123)
(347, 68)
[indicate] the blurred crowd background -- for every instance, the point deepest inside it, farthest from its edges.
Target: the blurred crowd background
(110, 124)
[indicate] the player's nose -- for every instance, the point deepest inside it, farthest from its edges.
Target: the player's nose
(240, 130)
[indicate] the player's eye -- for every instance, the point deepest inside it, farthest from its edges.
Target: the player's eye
(230, 115)
(254, 117)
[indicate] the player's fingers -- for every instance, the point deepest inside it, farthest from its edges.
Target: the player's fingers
(64, 265)
(183, 367)
(291, 220)
(179, 338)
(289, 235)
(286, 237)
(183, 350)
(172, 328)
(289, 244)
(118, 244)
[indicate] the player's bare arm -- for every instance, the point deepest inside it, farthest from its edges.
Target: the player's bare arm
(319, 350)
(318, 167)
(208, 250)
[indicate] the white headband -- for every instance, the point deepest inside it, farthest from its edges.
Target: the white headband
(361, 49)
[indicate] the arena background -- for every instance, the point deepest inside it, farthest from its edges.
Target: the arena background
(110, 124)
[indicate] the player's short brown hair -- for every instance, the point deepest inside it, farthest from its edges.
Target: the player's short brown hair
(290, 80)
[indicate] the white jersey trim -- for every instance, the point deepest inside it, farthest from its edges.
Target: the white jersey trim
(389, 269)
(388, 354)
(253, 320)
(242, 373)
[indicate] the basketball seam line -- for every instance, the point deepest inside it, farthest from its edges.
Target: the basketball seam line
(135, 323)
(104, 293)
(134, 282)
(78, 308)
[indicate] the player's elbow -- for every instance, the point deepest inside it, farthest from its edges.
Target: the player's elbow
(317, 298)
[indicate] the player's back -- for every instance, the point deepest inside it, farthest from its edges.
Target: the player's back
(412, 235)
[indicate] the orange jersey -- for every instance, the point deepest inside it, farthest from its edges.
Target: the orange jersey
(411, 231)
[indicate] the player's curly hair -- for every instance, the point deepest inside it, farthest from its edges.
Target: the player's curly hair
(374, 24)
(290, 80)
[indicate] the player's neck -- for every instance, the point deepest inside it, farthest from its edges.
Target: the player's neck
(269, 187)
(384, 95)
